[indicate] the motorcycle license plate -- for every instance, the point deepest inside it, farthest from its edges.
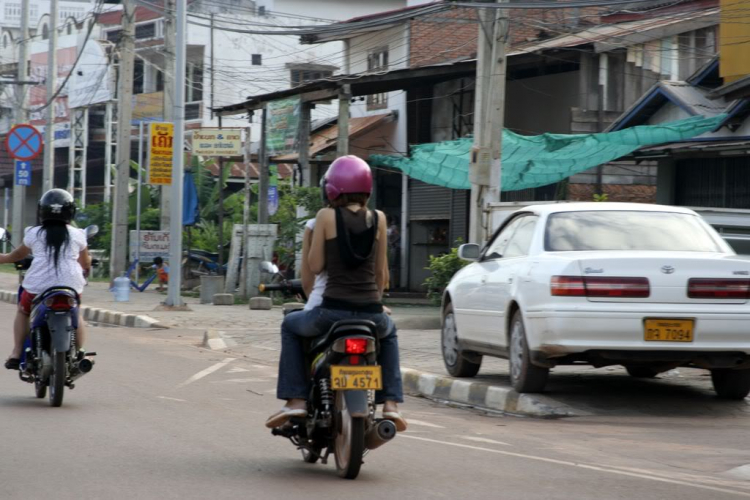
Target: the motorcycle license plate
(356, 378)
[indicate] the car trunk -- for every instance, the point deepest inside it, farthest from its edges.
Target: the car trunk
(668, 273)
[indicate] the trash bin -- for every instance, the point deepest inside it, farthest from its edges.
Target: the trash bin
(210, 286)
(122, 289)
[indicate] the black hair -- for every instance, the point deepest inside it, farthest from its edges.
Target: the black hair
(158, 261)
(56, 237)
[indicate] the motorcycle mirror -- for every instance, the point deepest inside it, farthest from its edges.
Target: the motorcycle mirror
(268, 267)
(92, 231)
(3, 234)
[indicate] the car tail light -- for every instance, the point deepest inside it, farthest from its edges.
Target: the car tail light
(356, 346)
(60, 303)
(708, 288)
(600, 286)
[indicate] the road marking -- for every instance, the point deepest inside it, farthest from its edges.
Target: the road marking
(583, 466)
(206, 372)
(424, 424)
(482, 440)
(238, 370)
(173, 399)
(241, 380)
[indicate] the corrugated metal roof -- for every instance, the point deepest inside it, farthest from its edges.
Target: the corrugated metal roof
(694, 98)
(615, 35)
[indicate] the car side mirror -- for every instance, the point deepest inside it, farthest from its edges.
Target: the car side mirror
(3, 234)
(469, 251)
(268, 267)
(91, 231)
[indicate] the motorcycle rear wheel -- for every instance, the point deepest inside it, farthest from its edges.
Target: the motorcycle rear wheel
(349, 443)
(57, 379)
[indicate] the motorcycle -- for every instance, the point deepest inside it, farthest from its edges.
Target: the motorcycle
(51, 358)
(344, 373)
(291, 289)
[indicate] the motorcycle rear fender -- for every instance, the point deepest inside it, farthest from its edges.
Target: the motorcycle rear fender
(59, 330)
(356, 403)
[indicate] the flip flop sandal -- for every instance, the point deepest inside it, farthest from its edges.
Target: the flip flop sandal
(13, 364)
(397, 419)
(283, 416)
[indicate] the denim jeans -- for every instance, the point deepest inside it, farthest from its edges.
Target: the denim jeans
(294, 382)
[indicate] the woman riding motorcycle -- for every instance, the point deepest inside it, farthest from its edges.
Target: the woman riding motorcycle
(60, 256)
(349, 243)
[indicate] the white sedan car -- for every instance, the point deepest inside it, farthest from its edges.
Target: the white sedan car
(644, 286)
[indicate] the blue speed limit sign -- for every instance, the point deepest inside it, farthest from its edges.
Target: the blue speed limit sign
(23, 173)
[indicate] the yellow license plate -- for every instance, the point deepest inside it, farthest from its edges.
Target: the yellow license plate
(668, 330)
(356, 378)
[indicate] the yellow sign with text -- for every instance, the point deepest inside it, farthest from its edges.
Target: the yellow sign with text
(160, 150)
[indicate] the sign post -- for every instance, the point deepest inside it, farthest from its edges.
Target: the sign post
(160, 151)
(23, 173)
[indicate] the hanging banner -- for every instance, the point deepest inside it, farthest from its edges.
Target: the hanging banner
(148, 108)
(217, 142)
(93, 80)
(273, 189)
(282, 125)
(160, 153)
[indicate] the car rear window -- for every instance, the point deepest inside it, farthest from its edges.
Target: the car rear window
(627, 230)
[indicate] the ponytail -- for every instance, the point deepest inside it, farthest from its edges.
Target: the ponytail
(57, 238)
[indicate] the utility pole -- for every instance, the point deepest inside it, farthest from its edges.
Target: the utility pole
(175, 224)
(489, 114)
(169, 44)
(119, 252)
(19, 192)
(48, 177)
(345, 97)
(263, 181)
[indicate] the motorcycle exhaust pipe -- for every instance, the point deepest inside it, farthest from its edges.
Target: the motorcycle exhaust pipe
(84, 366)
(379, 434)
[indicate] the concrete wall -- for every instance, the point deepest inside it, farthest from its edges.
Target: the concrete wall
(541, 104)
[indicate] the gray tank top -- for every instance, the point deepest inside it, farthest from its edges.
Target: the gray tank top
(352, 285)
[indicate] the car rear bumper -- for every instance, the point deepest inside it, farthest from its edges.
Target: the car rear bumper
(560, 334)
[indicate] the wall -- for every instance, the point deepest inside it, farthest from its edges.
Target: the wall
(443, 37)
(541, 104)
(734, 37)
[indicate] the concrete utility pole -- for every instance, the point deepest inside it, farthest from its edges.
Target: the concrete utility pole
(48, 177)
(489, 114)
(119, 253)
(19, 192)
(178, 157)
(263, 181)
(169, 44)
(345, 97)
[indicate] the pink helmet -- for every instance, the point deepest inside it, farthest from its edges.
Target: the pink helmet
(348, 174)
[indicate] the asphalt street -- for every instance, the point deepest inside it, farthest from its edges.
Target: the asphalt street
(162, 418)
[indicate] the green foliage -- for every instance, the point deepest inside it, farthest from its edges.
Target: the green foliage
(205, 235)
(289, 224)
(100, 215)
(442, 268)
(601, 197)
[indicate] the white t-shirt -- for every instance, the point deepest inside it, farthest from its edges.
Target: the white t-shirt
(42, 274)
(316, 296)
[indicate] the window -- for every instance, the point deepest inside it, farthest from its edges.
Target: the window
(194, 83)
(5, 42)
(145, 31)
(138, 76)
(45, 32)
(69, 29)
(12, 12)
(159, 81)
(302, 76)
(628, 230)
(257, 59)
(377, 61)
(114, 36)
(496, 248)
(262, 10)
(520, 242)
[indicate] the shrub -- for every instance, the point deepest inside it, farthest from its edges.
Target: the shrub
(442, 268)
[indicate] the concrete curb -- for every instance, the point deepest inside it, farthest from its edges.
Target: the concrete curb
(415, 322)
(483, 395)
(212, 339)
(101, 315)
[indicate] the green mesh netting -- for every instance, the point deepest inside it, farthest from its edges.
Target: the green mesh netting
(533, 161)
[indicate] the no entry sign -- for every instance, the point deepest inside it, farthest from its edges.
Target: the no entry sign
(24, 142)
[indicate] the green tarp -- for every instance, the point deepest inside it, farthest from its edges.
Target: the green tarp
(533, 161)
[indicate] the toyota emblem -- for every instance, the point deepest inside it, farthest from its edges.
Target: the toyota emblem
(667, 269)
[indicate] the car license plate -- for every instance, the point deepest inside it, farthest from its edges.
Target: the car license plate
(356, 378)
(668, 330)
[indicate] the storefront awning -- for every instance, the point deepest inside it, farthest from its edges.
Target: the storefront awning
(534, 161)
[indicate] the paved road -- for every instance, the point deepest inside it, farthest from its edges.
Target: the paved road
(161, 418)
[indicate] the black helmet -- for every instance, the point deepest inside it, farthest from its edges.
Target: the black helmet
(57, 204)
(323, 194)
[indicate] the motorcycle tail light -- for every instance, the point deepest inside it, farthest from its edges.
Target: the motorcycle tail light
(60, 303)
(356, 346)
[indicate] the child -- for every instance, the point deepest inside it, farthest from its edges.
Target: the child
(162, 272)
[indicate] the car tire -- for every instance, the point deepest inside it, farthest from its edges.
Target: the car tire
(731, 384)
(525, 377)
(454, 359)
(637, 371)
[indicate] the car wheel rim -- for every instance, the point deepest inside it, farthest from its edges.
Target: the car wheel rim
(516, 351)
(450, 340)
